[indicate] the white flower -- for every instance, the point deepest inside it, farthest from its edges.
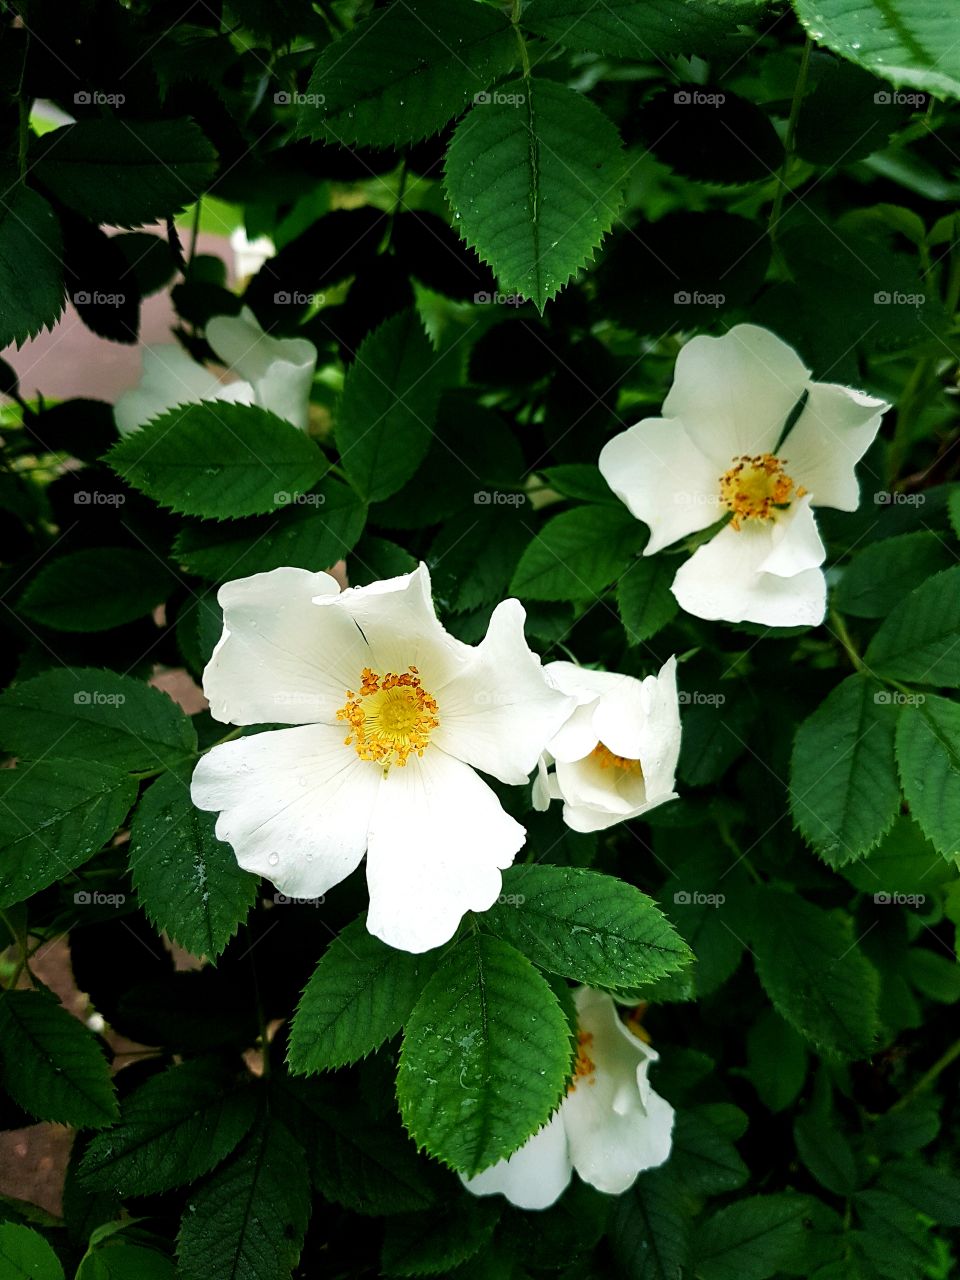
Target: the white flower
(717, 449)
(616, 756)
(610, 1126)
(393, 716)
(275, 373)
(249, 255)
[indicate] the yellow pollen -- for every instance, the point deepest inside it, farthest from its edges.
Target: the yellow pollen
(391, 718)
(584, 1067)
(754, 487)
(633, 1021)
(607, 760)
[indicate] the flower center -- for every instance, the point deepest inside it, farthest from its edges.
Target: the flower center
(584, 1067)
(633, 1021)
(390, 718)
(753, 487)
(607, 760)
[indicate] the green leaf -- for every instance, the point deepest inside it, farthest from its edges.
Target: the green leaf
(881, 575)
(844, 792)
(935, 1192)
(586, 925)
(219, 460)
(703, 1156)
(935, 976)
(535, 177)
(903, 862)
(54, 815)
(96, 589)
(928, 752)
(577, 554)
(919, 640)
(643, 29)
(650, 1233)
(125, 172)
(51, 1065)
(312, 534)
(485, 1058)
(118, 1260)
(187, 881)
(909, 42)
(823, 1146)
(31, 274)
(248, 1221)
(577, 480)
(173, 1129)
(406, 70)
(94, 714)
(359, 996)
(776, 1060)
(475, 554)
(753, 1238)
(389, 403)
(433, 1243)
(25, 1254)
(816, 978)
(644, 598)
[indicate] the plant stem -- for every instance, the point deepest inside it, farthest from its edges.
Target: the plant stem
(843, 635)
(929, 1077)
(788, 142)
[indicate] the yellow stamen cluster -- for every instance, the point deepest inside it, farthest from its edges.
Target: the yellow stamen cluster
(754, 487)
(391, 718)
(608, 760)
(584, 1067)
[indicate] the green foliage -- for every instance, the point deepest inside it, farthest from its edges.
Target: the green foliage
(917, 641)
(577, 554)
(26, 1255)
(359, 995)
(31, 278)
(928, 752)
(97, 589)
(486, 1052)
(187, 881)
(644, 598)
(219, 461)
(86, 713)
(586, 926)
(639, 28)
(754, 1238)
(51, 1064)
(535, 176)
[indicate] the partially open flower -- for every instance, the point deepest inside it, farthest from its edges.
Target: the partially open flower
(616, 756)
(722, 448)
(274, 373)
(610, 1126)
(393, 716)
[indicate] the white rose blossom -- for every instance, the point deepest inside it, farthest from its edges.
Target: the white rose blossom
(274, 373)
(610, 1126)
(392, 717)
(717, 449)
(616, 756)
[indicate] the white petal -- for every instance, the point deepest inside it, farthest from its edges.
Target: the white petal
(613, 1135)
(643, 723)
(293, 803)
(282, 658)
(734, 393)
(664, 478)
(170, 377)
(577, 737)
(834, 431)
(796, 541)
(582, 683)
(722, 579)
(397, 617)
(438, 841)
(280, 369)
(540, 792)
(498, 713)
(533, 1177)
(586, 783)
